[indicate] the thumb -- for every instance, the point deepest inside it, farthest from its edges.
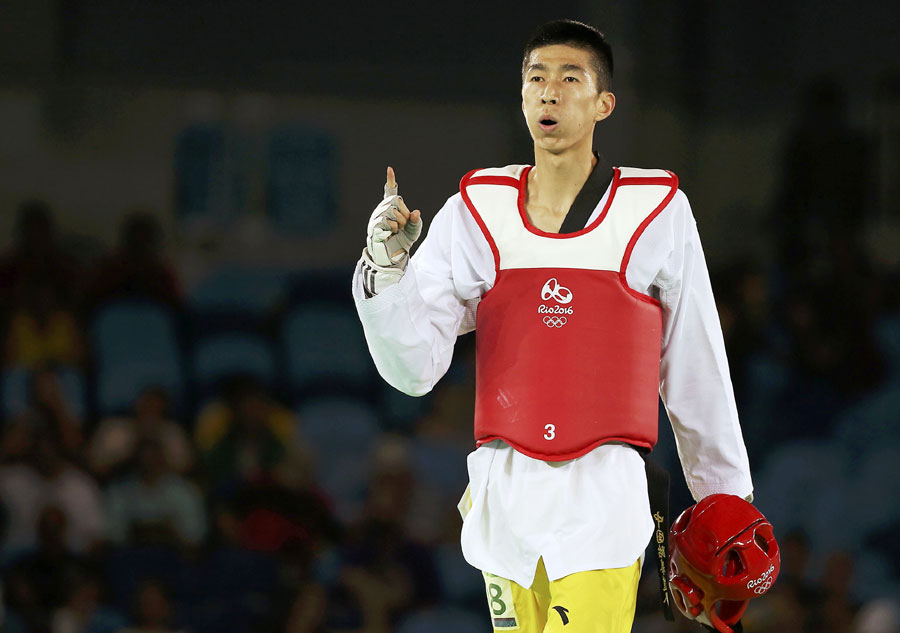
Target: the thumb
(415, 217)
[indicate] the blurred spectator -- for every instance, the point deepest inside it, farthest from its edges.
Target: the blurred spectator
(878, 616)
(137, 267)
(153, 609)
(437, 452)
(49, 412)
(268, 532)
(47, 478)
(272, 516)
(794, 563)
(263, 561)
(38, 581)
(386, 574)
(43, 328)
(244, 437)
(836, 608)
(238, 584)
(115, 441)
(36, 255)
(826, 179)
(83, 611)
(779, 611)
(307, 611)
(790, 604)
(154, 504)
(18, 440)
(743, 298)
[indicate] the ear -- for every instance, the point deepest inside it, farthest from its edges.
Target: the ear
(606, 103)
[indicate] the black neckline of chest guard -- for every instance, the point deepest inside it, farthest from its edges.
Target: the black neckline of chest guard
(587, 199)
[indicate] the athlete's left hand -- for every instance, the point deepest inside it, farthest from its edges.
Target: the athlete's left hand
(393, 228)
(392, 231)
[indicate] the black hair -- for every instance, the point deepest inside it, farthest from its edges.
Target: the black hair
(577, 35)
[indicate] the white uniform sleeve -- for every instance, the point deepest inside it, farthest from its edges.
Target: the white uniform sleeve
(411, 327)
(695, 384)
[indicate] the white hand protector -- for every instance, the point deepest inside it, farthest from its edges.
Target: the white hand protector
(387, 253)
(376, 278)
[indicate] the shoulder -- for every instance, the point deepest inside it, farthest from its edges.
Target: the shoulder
(640, 175)
(676, 201)
(510, 174)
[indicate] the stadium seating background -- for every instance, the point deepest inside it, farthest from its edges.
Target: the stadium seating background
(181, 206)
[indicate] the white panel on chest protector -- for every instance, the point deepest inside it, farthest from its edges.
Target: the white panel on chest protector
(602, 248)
(511, 171)
(638, 172)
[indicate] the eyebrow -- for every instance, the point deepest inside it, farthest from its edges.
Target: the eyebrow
(540, 66)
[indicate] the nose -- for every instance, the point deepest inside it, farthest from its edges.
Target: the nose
(551, 95)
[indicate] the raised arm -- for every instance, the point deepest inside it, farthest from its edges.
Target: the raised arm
(418, 308)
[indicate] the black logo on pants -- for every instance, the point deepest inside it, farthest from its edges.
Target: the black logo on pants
(562, 611)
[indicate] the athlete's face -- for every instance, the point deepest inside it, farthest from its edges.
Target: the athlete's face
(560, 97)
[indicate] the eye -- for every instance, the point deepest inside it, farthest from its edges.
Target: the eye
(571, 79)
(536, 78)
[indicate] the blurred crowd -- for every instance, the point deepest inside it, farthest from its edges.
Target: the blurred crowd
(813, 340)
(214, 513)
(248, 504)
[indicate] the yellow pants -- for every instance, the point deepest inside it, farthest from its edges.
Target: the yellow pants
(599, 601)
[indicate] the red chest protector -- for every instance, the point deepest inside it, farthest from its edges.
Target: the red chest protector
(567, 355)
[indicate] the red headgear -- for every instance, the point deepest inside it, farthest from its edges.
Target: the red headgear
(723, 554)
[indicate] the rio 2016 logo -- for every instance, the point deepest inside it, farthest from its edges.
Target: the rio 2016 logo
(554, 290)
(761, 585)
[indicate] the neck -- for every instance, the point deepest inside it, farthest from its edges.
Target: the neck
(557, 178)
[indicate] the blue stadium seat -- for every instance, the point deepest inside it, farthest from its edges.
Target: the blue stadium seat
(209, 184)
(16, 400)
(232, 353)
(300, 192)
(342, 433)
(324, 341)
(135, 345)
(253, 291)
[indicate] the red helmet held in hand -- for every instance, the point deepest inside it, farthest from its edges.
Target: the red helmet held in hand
(723, 554)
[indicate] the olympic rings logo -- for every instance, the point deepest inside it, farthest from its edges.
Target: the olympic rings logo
(555, 321)
(554, 290)
(764, 587)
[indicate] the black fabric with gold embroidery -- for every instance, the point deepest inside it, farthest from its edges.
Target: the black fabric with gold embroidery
(658, 490)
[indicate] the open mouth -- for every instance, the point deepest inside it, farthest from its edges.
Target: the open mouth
(547, 124)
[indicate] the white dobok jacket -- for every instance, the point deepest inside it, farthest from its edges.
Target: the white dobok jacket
(591, 512)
